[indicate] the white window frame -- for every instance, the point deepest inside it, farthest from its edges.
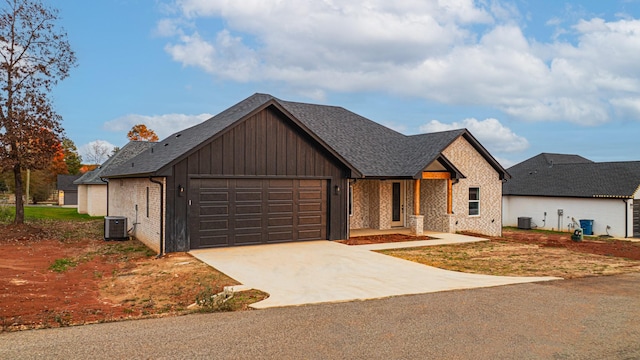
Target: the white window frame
(474, 201)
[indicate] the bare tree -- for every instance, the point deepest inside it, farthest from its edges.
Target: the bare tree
(97, 152)
(34, 56)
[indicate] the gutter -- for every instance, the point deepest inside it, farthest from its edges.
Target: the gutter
(161, 215)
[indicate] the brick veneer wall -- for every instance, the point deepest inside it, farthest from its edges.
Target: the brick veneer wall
(125, 194)
(372, 198)
(479, 173)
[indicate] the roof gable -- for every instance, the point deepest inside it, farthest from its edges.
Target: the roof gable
(127, 152)
(368, 148)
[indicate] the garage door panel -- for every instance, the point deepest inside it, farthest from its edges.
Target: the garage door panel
(214, 196)
(281, 221)
(229, 212)
(248, 209)
(211, 240)
(247, 223)
(252, 238)
(214, 210)
(310, 220)
(306, 207)
(280, 208)
(248, 196)
(310, 195)
(280, 236)
(280, 195)
(313, 234)
(214, 225)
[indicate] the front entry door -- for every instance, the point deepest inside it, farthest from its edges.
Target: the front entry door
(397, 204)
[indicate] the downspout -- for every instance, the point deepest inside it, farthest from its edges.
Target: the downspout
(106, 181)
(161, 215)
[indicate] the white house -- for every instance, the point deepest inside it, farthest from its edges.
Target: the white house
(553, 190)
(92, 188)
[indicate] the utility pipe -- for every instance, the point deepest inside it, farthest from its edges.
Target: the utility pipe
(161, 215)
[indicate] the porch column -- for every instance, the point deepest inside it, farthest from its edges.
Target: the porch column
(416, 221)
(416, 197)
(449, 196)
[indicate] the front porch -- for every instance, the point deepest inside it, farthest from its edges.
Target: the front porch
(406, 206)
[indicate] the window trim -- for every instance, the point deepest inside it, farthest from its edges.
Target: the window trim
(475, 201)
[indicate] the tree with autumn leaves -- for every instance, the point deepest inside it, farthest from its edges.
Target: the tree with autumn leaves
(34, 56)
(140, 132)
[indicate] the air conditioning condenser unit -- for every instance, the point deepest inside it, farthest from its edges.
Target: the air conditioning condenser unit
(115, 228)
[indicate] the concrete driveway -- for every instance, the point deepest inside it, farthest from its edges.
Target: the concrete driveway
(325, 271)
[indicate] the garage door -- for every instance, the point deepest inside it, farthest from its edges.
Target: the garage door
(636, 218)
(230, 212)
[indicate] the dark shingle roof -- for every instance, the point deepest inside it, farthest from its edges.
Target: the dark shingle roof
(66, 182)
(582, 178)
(371, 149)
(129, 151)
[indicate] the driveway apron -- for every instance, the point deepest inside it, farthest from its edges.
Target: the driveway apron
(324, 271)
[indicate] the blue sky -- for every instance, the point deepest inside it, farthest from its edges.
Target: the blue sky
(524, 76)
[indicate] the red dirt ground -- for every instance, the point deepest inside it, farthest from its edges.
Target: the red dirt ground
(33, 294)
(377, 239)
(590, 245)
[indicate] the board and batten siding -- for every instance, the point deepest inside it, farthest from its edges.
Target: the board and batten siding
(264, 145)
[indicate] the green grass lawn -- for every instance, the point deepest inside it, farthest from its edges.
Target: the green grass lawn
(48, 212)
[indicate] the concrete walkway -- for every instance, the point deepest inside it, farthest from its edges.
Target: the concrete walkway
(325, 271)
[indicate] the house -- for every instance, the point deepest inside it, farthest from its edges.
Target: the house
(267, 170)
(67, 190)
(556, 189)
(92, 189)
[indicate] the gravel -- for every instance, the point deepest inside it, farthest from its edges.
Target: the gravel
(589, 318)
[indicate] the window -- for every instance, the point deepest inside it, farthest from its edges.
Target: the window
(474, 201)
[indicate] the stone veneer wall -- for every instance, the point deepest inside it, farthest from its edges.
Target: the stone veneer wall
(125, 194)
(479, 174)
(371, 205)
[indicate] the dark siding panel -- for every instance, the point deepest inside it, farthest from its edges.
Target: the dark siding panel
(204, 158)
(228, 159)
(217, 154)
(239, 149)
(263, 145)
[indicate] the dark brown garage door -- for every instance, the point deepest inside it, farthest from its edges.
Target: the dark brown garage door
(636, 218)
(230, 212)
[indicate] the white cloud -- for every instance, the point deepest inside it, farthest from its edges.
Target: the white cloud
(490, 132)
(455, 52)
(163, 125)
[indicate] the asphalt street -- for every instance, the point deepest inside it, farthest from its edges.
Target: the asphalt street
(590, 318)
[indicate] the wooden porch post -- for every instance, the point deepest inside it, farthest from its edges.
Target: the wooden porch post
(449, 196)
(416, 197)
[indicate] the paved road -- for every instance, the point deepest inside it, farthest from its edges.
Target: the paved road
(592, 318)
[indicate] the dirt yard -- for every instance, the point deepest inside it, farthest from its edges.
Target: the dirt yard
(63, 273)
(531, 253)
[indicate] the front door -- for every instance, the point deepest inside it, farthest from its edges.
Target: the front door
(397, 204)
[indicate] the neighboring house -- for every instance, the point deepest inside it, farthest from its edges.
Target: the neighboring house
(553, 189)
(67, 190)
(92, 188)
(267, 171)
